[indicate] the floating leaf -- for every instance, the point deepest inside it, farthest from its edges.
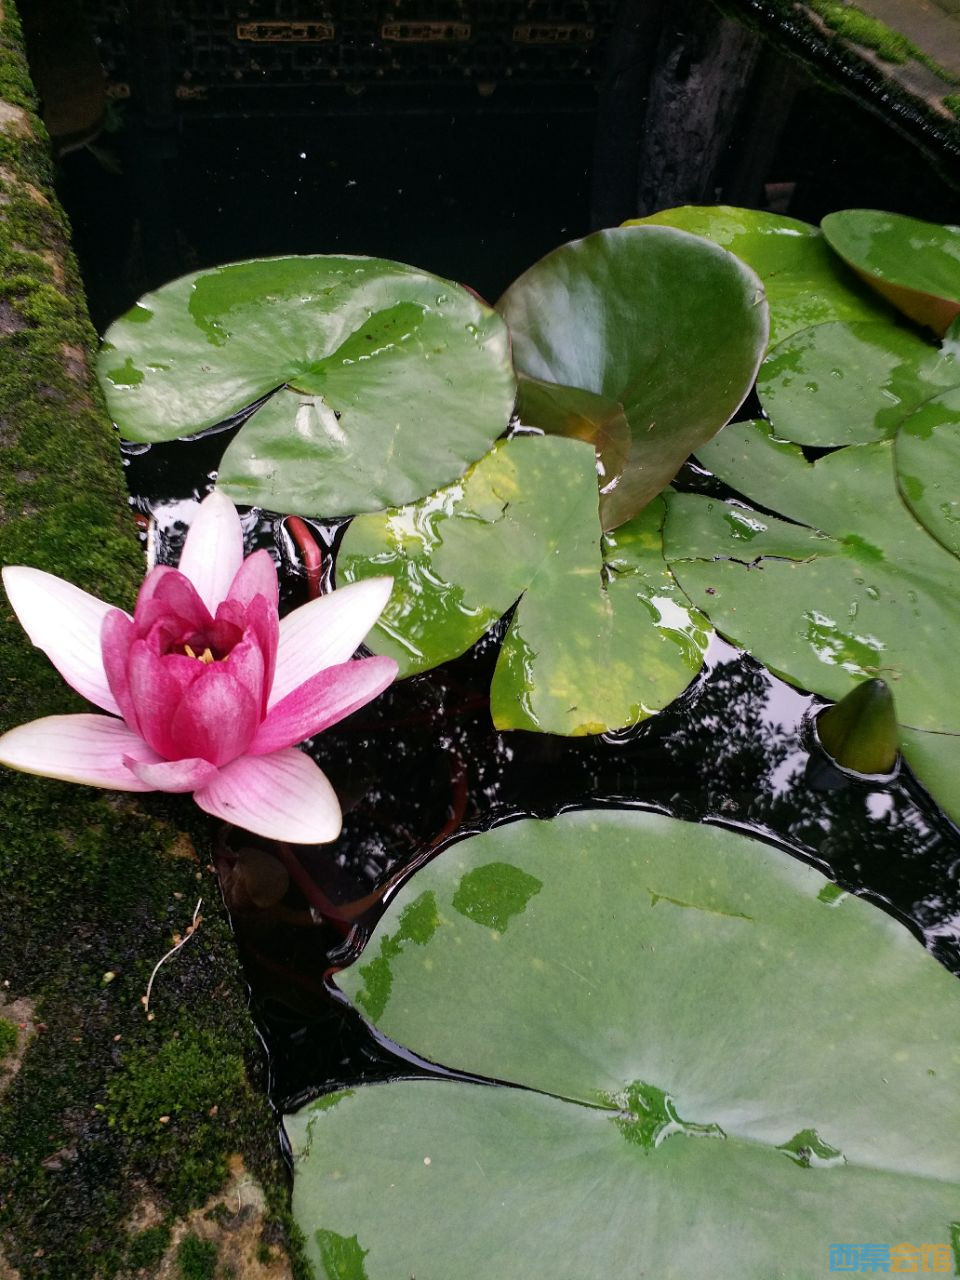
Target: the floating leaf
(602, 636)
(663, 323)
(697, 1092)
(580, 415)
(935, 758)
(859, 733)
(848, 587)
(914, 264)
(841, 383)
(928, 467)
(397, 379)
(805, 283)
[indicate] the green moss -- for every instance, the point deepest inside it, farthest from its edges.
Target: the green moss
(197, 1259)
(861, 28)
(89, 883)
(147, 1248)
(952, 103)
(8, 1038)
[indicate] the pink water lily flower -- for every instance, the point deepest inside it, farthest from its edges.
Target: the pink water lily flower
(207, 689)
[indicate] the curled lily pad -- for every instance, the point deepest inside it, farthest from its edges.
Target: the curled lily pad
(805, 283)
(694, 1092)
(928, 467)
(914, 264)
(935, 759)
(602, 637)
(384, 381)
(842, 383)
(667, 325)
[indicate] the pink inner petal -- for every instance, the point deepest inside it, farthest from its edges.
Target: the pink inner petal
(116, 637)
(216, 718)
(86, 748)
(261, 622)
(245, 664)
(172, 601)
(257, 576)
(157, 687)
(321, 701)
(173, 775)
(283, 796)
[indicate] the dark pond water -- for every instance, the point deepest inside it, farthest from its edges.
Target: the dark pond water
(477, 190)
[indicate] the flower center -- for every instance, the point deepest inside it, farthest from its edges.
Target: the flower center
(205, 657)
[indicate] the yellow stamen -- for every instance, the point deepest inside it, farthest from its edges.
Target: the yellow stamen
(206, 656)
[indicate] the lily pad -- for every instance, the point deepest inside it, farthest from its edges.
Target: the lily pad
(914, 264)
(928, 467)
(842, 383)
(602, 636)
(580, 415)
(805, 283)
(693, 1093)
(397, 380)
(667, 325)
(849, 586)
(935, 759)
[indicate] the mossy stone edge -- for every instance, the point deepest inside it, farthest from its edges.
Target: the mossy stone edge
(110, 1114)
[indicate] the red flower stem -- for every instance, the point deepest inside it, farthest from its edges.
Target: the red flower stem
(310, 553)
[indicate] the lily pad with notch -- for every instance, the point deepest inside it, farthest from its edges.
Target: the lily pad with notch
(602, 636)
(682, 1080)
(384, 382)
(665, 326)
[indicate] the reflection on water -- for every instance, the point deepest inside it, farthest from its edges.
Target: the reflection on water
(423, 764)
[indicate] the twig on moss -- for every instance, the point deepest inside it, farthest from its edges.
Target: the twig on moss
(190, 931)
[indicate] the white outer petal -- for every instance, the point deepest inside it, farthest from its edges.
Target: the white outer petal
(84, 748)
(326, 631)
(65, 623)
(283, 796)
(213, 550)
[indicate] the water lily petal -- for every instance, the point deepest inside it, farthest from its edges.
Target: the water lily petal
(173, 775)
(326, 631)
(213, 550)
(257, 576)
(216, 719)
(321, 701)
(245, 663)
(157, 687)
(84, 748)
(117, 633)
(283, 796)
(170, 599)
(65, 623)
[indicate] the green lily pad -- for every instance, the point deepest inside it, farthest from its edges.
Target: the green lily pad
(696, 1093)
(935, 759)
(842, 383)
(665, 324)
(914, 264)
(928, 467)
(580, 415)
(805, 283)
(602, 636)
(397, 380)
(854, 588)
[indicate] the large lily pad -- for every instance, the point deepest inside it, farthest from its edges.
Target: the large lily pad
(805, 283)
(602, 636)
(397, 380)
(916, 265)
(928, 467)
(667, 325)
(843, 383)
(699, 1097)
